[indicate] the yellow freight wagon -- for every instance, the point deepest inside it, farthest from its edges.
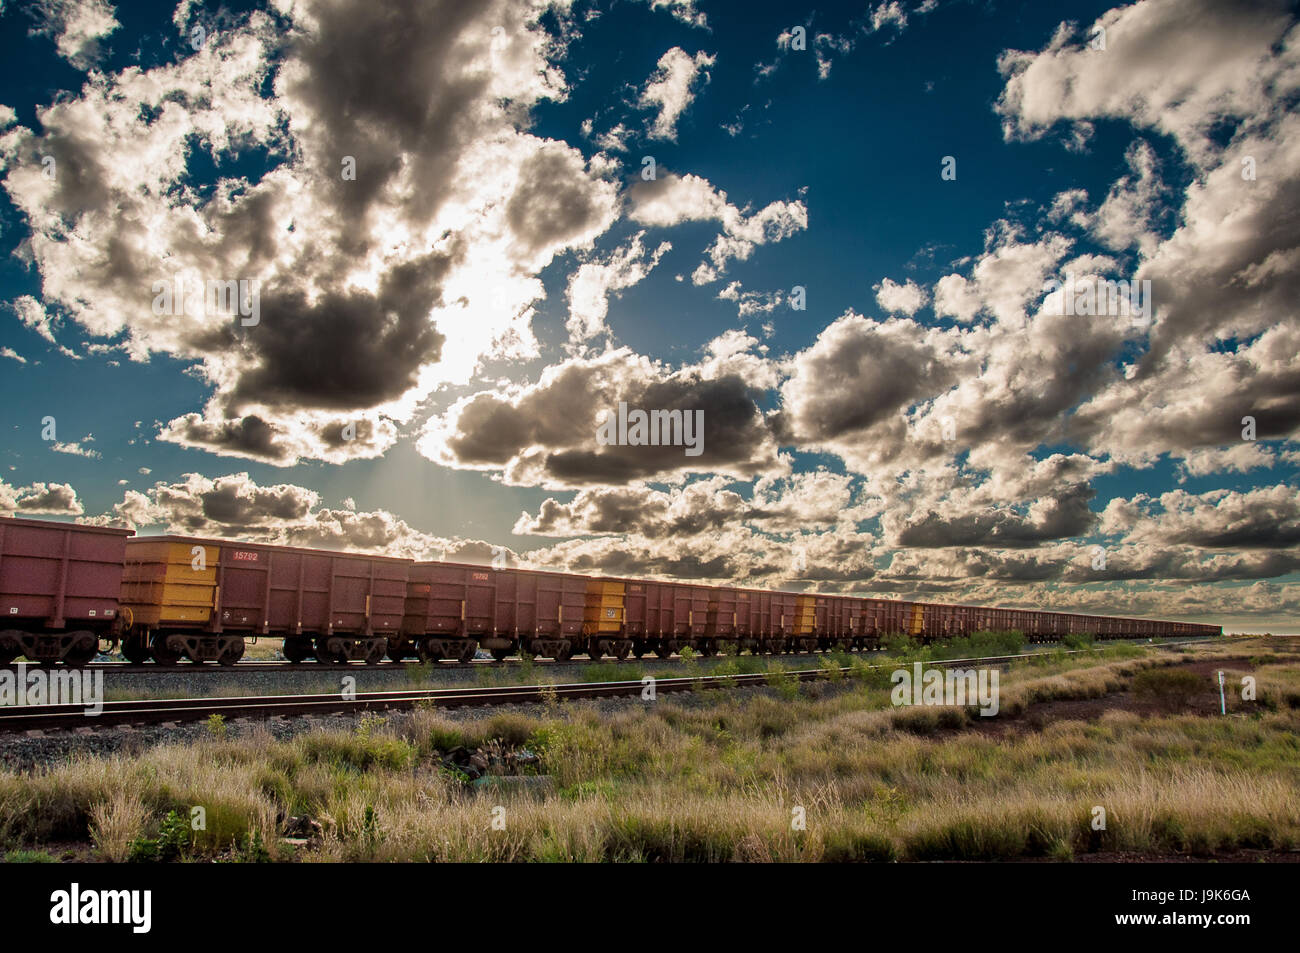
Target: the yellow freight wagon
(165, 583)
(805, 614)
(603, 609)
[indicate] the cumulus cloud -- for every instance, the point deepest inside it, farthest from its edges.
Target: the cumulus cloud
(907, 298)
(1226, 272)
(76, 26)
(546, 433)
(673, 199)
(671, 88)
(236, 507)
(1266, 517)
(55, 499)
(774, 505)
(592, 283)
(395, 237)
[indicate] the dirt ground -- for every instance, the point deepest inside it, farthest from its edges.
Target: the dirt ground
(1041, 714)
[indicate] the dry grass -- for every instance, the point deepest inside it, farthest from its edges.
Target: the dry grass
(723, 780)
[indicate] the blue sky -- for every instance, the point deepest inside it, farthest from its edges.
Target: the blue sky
(499, 274)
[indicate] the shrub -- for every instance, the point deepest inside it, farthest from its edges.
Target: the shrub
(1170, 687)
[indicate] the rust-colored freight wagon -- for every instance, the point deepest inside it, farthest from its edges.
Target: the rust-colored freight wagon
(667, 616)
(200, 598)
(454, 608)
(762, 619)
(837, 621)
(59, 587)
(722, 620)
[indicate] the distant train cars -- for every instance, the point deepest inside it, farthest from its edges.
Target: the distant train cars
(65, 588)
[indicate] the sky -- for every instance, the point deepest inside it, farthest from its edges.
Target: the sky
(977, 302)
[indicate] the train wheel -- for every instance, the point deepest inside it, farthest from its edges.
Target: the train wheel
(468, 652)
(638, 648)
(233, 653)
(621, 649)
(296, 649)
(161, 653)
(134, 650)
(500, 654)
(375, 654)
(78, 657)
(429, 651)
(663, 650)
(323, 655)
(708, 648)
(594, 651)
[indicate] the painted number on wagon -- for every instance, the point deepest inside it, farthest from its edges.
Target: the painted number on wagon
(244, 556)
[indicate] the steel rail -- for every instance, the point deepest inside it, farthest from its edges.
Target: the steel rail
(186, 668)
(161, 710)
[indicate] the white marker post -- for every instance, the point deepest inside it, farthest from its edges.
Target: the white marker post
(1223, 704)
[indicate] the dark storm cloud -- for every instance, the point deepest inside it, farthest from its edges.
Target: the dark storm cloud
(348, 349)
(385, 84)
(548, 433)
(858, 374)
(249, 436)
(1066, 514)
(552, 202)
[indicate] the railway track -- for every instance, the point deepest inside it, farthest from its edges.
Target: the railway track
(163, 710)
(450, 664)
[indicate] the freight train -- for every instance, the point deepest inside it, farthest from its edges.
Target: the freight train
(65, 588)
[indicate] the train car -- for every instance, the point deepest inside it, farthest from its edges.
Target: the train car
(763, 618)
(604, 625)
(674, 615)
(199, 599)
(453, 609)
(59, 588)
(64, 587)
(837, 622)
(721, 620)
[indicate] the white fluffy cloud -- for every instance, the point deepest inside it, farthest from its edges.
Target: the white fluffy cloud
(907, 298)
(76, 26)
(671, 88)
(674, 199)
(592, 283)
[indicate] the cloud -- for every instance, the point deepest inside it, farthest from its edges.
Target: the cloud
(684, 11)
(673, 200)
(592, 283)
(395, 235)
(752, 302)
(236, 507)
(671, 88)
(55, 499)
(907, 298)
(545, 434)
(1262, 518)
(77, 27)
(704, 507)
(75, 449)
